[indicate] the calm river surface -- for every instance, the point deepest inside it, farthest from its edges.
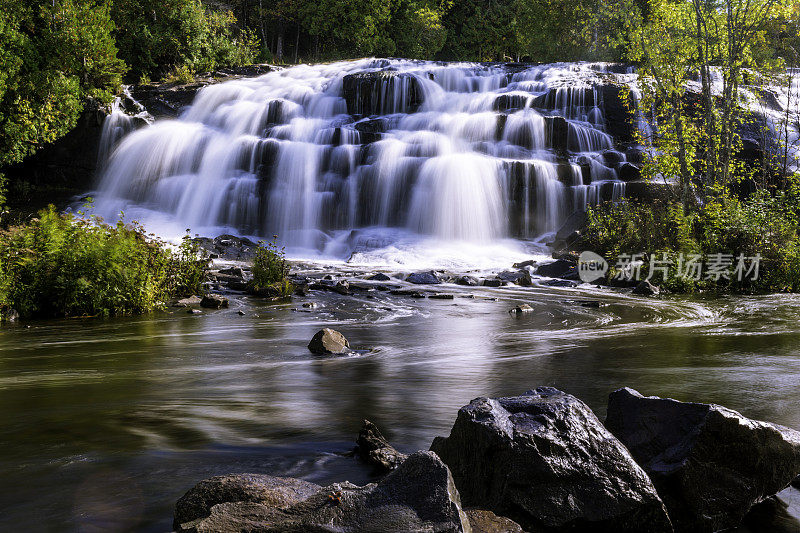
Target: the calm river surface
(105, 423)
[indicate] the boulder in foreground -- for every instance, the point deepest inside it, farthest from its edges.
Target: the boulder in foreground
(544, 460)
(275, 492)
(418, 496)
(329, 341)
(709, 464)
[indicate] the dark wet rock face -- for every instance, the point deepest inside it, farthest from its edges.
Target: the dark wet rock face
(424, 278)
(645, 288)
(710, 464)
(214, 301)
(329, 341)
(418, 496)
(544, 460)
(560, 268)
(370, 93)
(373, 448)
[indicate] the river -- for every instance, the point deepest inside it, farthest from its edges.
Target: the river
(107, 422)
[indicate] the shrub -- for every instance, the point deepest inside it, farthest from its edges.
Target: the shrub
(64, 266)
(270, 270)
(182, 74)
(766, 224)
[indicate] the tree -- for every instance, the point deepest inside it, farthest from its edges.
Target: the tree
(725, 41)
(417, 29)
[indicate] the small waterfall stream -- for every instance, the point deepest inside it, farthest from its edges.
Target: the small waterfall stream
(314, 154)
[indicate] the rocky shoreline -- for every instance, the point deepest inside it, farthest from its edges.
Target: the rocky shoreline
(538, 462)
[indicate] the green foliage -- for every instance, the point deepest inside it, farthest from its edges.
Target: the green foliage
(157, 36)
(64, 266)
(52, 56)
(765, 224)
(182, 74)
(728, 43)
(270, 268)
(417, 29)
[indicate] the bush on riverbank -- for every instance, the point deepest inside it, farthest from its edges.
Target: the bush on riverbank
(270, 270)
(64, 266)
(765, 224)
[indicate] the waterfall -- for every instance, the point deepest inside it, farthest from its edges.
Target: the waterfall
(462, 151)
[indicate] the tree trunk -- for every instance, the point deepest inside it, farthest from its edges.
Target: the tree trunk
(279, 44)
(296, 43)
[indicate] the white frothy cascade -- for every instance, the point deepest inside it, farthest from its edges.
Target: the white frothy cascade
(459, 152)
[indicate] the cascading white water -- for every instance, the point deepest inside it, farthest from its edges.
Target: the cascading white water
(464, 152)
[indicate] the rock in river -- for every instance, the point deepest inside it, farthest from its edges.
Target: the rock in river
(418, 496)
(373, 448)
(560, 268)
(213, 301)
(424, 278)
(276, 492)
(329, 341)
(710, 464)
(645, 288)
(544, 460)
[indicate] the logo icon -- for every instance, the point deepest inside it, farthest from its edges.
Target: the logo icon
(591, 267)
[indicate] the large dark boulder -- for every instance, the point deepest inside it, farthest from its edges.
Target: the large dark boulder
(520, 277)
(419, 496)
(373, 93)
(545, 461)
(373, 448)
(710, 464)
(424, 278)
(630, 172)
(561, 268)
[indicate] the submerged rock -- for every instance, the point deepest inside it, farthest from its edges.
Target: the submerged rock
(710, 464)
(521, 309)
(373, 448)
(544, 460)
(329, 341)
(419, 496)
(380, 276)
(468, 281)
(424, 278)
(441, 296)
(213, 301)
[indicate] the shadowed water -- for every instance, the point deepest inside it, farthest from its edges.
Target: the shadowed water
(107, 422)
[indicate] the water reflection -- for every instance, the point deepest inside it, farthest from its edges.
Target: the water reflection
(181, 397)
